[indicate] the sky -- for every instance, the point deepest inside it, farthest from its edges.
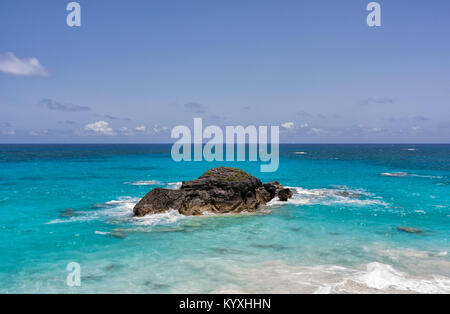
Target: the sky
(135, 69)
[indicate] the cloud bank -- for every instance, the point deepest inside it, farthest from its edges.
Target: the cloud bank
(195, 107)
(54, 105)
(10, 64)
(100, 128)
(378, 101)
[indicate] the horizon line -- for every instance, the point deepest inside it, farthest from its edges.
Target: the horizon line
(304, 143)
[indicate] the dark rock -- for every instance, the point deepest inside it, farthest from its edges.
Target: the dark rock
(68, 212)
(158, 201)
(349, 194)
(409, 230)
(263, 196)
(275, 189)
(284, 194)
(219, 190)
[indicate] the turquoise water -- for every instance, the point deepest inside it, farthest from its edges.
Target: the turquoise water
(73, 203)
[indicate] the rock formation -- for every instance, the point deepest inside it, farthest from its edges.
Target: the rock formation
(219, 190)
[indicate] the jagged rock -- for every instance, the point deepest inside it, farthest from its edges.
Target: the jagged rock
(219, 190)
(284, 194)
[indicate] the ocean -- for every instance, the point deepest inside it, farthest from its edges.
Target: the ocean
(338, 234)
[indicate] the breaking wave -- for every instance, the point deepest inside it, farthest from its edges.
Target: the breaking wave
(343, 195)
(121, 211)
(383, 278)
(171, 185)
(168, 217)
(395, 174)
(174, 185)
(426, 176)
(405, 174)
(115, 209)
(375, 277)
(150, 182)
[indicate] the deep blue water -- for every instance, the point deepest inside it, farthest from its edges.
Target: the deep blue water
(73, 203)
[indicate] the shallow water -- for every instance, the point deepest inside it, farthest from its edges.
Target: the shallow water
(73, 203)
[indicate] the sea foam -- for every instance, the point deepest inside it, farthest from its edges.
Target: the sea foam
(121, 211)
(375, 277)
(150, 182)
(325, 196)
(174, 185)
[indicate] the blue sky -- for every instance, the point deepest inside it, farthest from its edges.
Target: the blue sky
(135, 69)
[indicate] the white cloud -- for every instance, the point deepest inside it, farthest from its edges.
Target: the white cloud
(159, 129)
(288, 125)
(141, 128)
(316, 131)
(10, 64)
(153, 130)
(8, 132)
(38, 132)
(126, 131)
(100, 127)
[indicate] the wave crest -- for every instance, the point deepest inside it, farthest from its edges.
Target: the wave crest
(149, 182)
(279, 277)
(343, 195)
(121, 211)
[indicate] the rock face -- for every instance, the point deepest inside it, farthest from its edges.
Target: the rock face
(219, 190)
